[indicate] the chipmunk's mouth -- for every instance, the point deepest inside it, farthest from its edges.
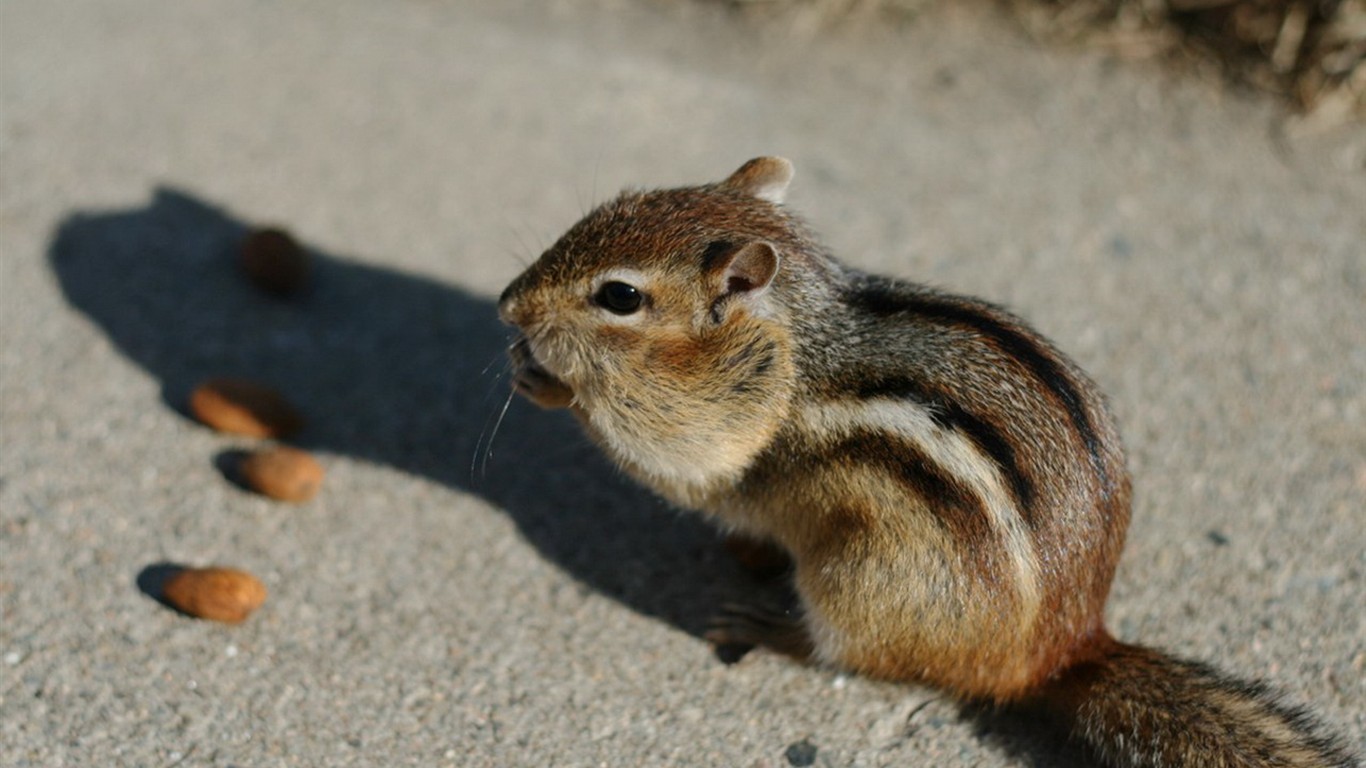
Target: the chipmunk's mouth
(522, 355)
(526, 367)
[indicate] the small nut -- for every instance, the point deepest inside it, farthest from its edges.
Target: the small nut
(282, 473)
(275, 262)
(244, 407)
(218, 594)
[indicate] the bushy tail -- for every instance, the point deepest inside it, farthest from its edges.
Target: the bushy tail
(1139, 708)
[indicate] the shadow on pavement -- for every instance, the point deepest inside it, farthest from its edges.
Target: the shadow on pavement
(389, 368)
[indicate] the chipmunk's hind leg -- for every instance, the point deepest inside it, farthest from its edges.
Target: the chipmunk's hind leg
(780, 630)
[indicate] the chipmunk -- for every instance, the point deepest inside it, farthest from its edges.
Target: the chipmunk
(950, 488)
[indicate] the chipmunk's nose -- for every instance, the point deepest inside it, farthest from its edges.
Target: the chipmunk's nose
(507, 304)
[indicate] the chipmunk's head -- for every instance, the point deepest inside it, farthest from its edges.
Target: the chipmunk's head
(661, 312)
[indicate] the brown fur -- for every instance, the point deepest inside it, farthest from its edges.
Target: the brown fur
(950, 488)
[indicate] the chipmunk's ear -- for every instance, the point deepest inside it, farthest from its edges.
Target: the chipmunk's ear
(750, 269)
(763, 177)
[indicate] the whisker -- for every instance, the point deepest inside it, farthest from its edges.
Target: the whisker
(597, 164)
(523, 260)
(500, 356)
(521, 232)
(524, 233)
(484, 429)
(488, 452)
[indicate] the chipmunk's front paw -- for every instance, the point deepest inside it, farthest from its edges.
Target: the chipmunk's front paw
(745, 626)
(536, 384)
(541, 388)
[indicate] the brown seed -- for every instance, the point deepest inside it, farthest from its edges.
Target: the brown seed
(244, 407)
(275, 262)
(218, 594)
(282, 473)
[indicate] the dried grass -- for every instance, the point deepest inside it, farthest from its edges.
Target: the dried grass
(1310, 52)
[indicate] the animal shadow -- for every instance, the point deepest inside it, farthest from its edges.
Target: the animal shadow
(390, 368)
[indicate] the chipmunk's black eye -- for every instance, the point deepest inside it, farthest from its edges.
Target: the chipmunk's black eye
(618, 297)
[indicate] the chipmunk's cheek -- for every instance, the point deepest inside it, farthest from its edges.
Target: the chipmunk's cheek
(676, 355)
(615, 340)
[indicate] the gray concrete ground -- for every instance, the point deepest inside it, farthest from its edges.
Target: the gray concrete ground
(459, 598)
